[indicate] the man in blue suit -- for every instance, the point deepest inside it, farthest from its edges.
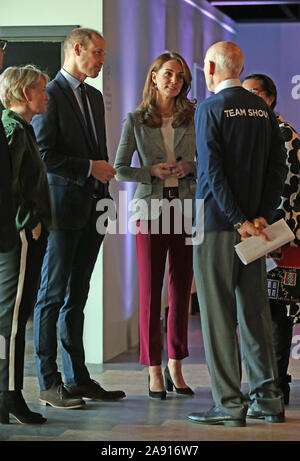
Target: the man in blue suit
(72, 141)
(241, 173)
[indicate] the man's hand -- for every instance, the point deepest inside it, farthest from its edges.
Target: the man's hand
(260, 223)
(161, 170)
(36, 232)
(102, 171)
(256, 228)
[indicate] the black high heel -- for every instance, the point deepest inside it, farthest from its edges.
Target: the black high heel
(162, 395)
(14, 403)
(170, 385)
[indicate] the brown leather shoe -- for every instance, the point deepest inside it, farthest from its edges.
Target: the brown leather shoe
(92, 390)
(58, 397)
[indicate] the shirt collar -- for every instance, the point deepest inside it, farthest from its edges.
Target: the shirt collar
(229, 83)
(73, 82)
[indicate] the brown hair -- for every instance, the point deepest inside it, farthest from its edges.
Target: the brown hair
(79, 35)
(266, 84)
(184, 108)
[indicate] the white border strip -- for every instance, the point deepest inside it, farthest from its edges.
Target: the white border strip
(210, 16)
(15, 322)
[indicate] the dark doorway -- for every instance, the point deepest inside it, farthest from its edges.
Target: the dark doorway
(44, 55)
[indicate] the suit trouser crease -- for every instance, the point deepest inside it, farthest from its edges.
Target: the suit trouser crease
(232, 294)
(67, 268)
(152, 251)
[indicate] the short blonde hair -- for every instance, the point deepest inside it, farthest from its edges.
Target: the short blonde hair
(14, 79)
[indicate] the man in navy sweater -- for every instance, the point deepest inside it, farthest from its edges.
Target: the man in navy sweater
(241, 172)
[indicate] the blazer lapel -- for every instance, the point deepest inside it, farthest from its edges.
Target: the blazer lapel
(68, 92)
(178, 135)
(155, 137)
(97, 119)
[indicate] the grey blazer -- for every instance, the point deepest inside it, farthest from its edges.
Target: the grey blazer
(148, 143)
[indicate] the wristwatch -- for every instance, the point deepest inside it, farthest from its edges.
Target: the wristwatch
(238, 225)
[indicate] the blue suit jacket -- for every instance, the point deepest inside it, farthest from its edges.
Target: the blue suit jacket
(8, 232)
(66, 148)
(241, 158)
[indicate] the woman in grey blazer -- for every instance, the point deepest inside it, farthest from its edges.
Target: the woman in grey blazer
(161, 130)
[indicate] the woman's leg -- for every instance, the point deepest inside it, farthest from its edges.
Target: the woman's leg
(151, 252)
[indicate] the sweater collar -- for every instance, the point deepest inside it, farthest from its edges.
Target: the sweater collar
(229, 83)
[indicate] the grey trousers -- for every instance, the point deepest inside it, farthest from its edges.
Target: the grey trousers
(231, 294)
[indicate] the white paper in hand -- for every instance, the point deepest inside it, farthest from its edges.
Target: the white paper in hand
(254, 247)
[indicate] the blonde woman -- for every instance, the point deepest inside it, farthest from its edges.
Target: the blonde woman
(22, 92)
(161, 130)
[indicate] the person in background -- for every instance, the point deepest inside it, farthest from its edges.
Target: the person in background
(22, 92)
(285, 299)
(72, 139)
(161, 131)
(241, 173)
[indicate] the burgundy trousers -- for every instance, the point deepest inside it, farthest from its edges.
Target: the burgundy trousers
(152, 251)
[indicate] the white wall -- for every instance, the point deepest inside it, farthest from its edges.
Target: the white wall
(54, 13)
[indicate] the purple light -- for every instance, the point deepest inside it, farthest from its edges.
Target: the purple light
(253, 2)
(211, 16)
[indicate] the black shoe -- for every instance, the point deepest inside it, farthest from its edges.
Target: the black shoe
(58, 397)
(216, 416)
(92, 390)
(161, 395)
(170, 385)
(269, 417)
(12, 402)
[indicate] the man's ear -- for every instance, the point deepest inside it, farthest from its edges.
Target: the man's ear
(77, 49)
(212, 67)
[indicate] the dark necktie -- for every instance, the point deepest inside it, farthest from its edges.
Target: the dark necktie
(96, 184)
(87, 116)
